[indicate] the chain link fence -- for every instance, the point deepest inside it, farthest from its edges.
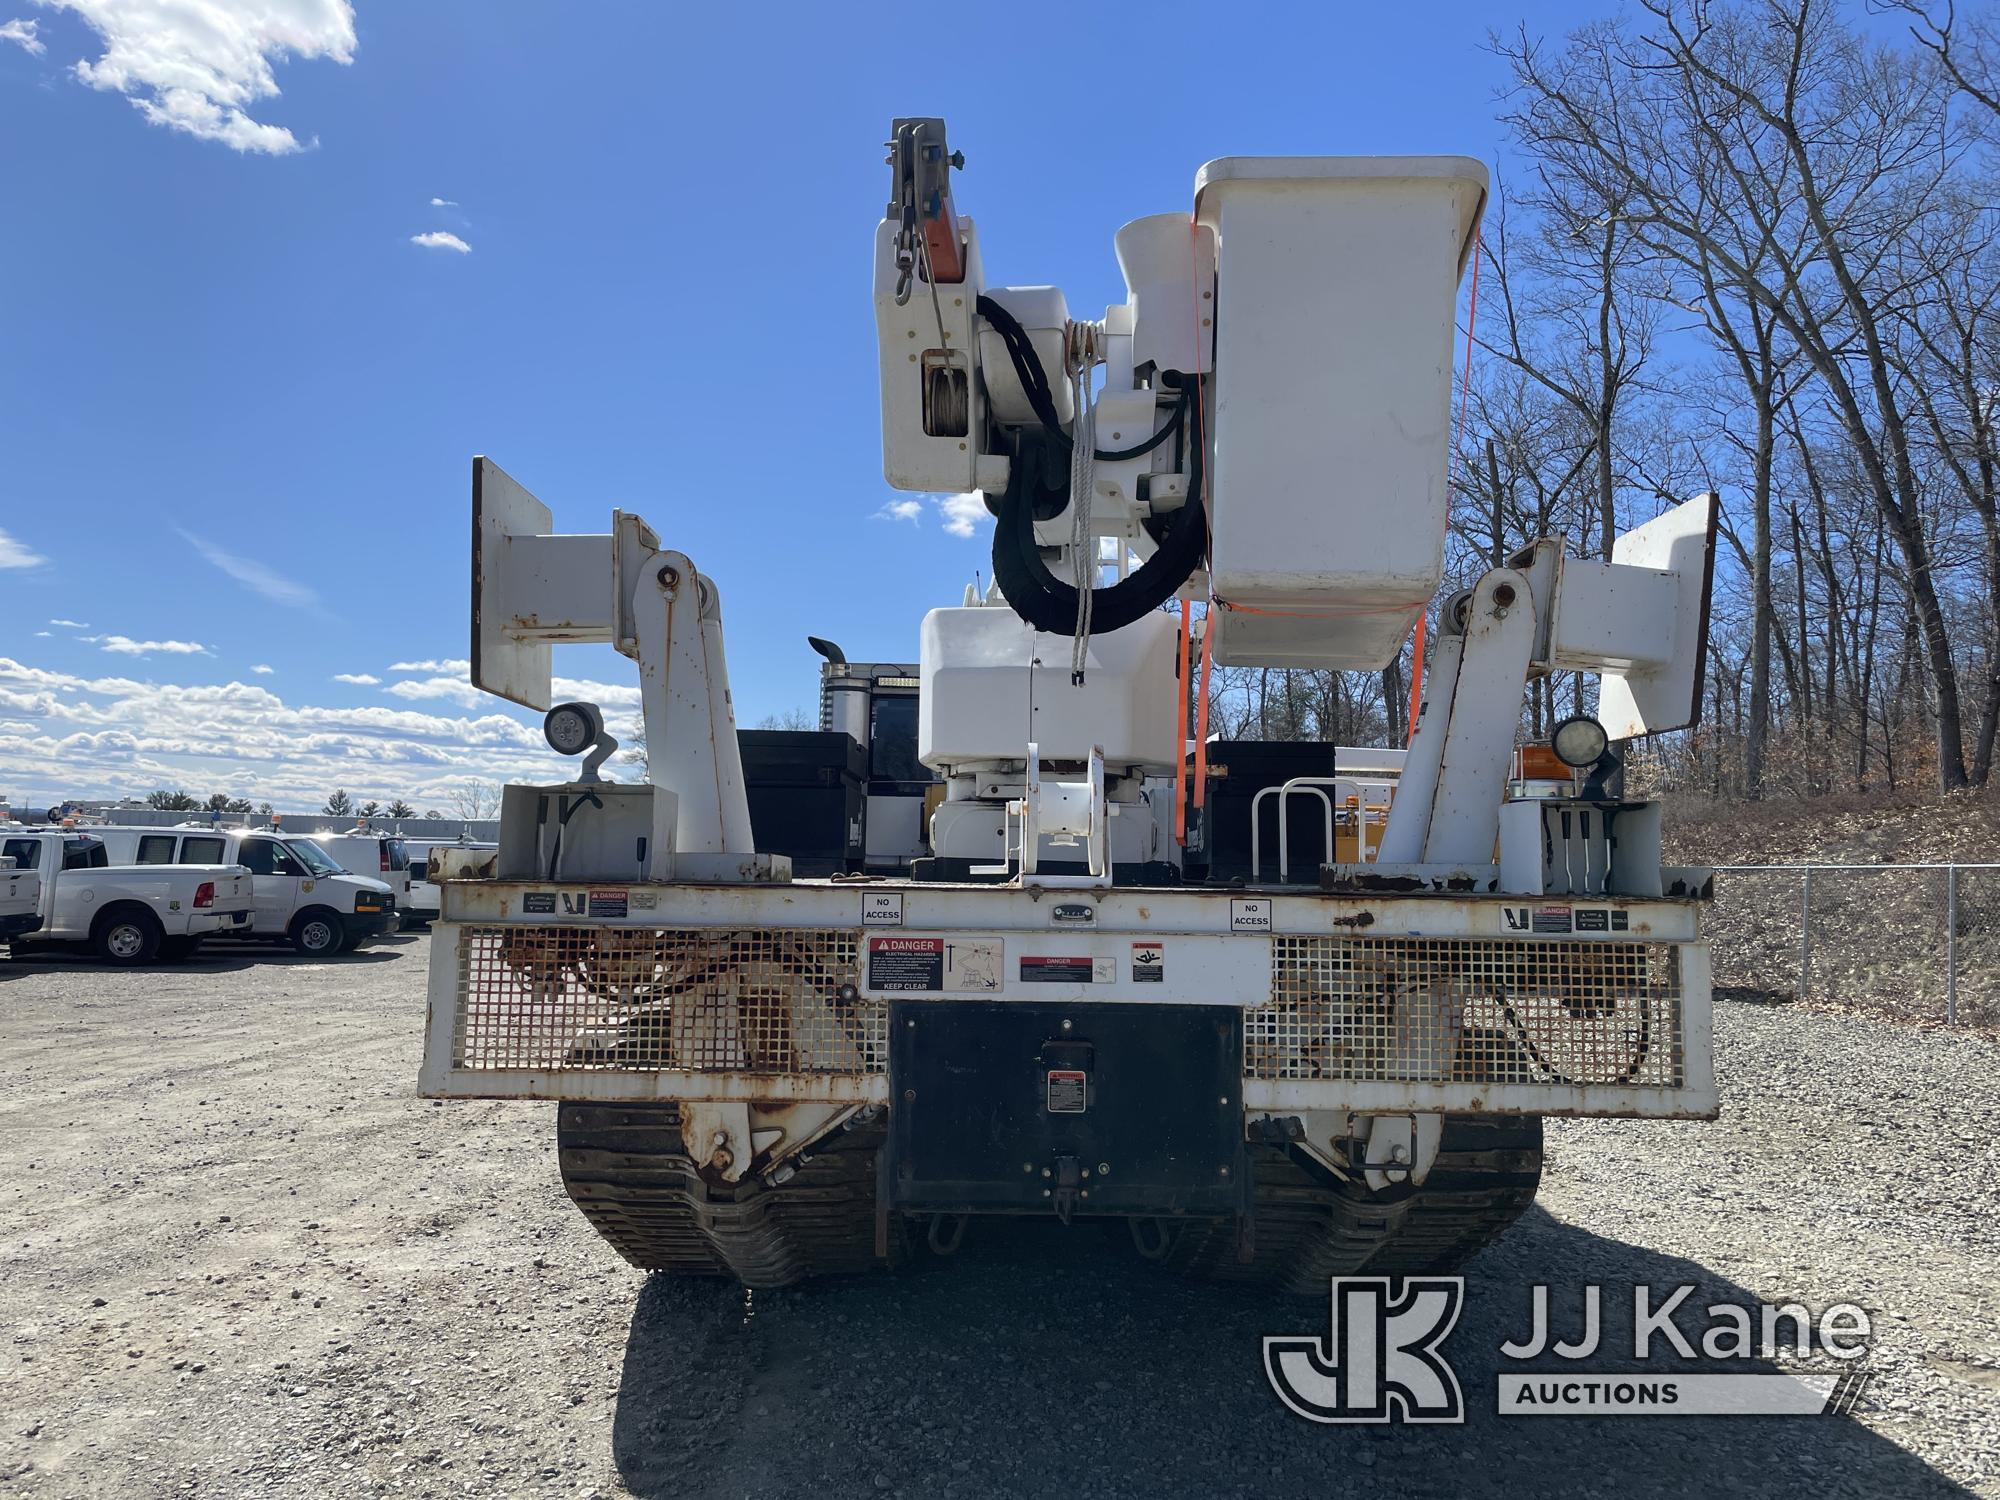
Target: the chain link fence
(1918, 941)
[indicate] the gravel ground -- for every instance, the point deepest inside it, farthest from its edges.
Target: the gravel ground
(241, 1258)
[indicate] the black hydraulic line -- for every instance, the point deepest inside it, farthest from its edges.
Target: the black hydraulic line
(1049, 604)
(1035, 383)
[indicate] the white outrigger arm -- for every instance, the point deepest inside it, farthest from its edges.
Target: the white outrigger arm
(532, 589)
(1639, 621)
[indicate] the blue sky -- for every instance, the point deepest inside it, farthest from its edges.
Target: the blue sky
(238, 400)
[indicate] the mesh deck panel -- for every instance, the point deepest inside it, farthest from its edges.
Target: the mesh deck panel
(691, 999)
(1469, 1010)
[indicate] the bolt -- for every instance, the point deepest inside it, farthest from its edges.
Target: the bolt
(911, 1024)
(1104, 1169)
(1223, 1101)
(1086, 1171)
(1045, 1192)
(908, 1095)
(1046, 1172)
(1066, 1025)
(668, 575)
(1225, 1171)
(1084, 1194)
(1027, 1166)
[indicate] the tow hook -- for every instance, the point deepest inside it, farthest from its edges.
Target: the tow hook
(1069, 1181)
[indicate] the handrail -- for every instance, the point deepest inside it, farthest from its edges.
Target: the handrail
(1314, 784)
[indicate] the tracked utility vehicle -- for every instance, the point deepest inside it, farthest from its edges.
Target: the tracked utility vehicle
(1337, 1060)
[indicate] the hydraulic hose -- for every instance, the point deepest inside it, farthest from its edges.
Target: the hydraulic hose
(1038, 487)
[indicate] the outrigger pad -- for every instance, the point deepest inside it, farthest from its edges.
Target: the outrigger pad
(502, 663)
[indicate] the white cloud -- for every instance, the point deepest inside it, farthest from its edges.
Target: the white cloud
(72, 624)
(24, 33)
(962, 514)
(263, 671)
(44, 632)
(254, 575)
(450, 689)
(444, 203)
(611, 696)
(357, 679)
(115, 736)
(194, 65)
(908, 509)
(438, 239)
(124, 645)
(451, 664)
(15, 554)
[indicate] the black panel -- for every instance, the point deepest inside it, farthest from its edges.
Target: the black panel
(1238, 770)
(806, 796)
(976, 1120)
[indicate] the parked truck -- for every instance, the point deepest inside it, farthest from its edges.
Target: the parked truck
(127, 914)
(300, 894)
(20, 900)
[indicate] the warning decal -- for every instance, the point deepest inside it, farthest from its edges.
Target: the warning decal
(1552, 919)
(1066, 1091)
(932, 963)
(901, 963)
(1071, 969)
(607, 903)
(1149, 963)
(1249, 916)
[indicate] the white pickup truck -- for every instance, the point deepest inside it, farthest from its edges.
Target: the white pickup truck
(20, 901)
(128, 914)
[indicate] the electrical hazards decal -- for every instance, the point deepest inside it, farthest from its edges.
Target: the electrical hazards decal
(932, 963)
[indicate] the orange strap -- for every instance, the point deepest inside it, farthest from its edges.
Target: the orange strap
(1201, 716)
(1180, 730)
(1416, 682)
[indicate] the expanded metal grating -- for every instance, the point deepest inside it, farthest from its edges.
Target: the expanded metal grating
(708, 1000)
(1469, 1010)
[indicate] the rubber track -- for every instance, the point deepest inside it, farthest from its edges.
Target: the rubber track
(624, 1165)
(1309, 1225)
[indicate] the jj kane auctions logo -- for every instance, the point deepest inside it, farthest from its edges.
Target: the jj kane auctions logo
(1382, 1359)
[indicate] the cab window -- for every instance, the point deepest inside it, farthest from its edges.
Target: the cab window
(85, 854)
(156, 849)
(313, 858)
(268, 857)
(24, 852)
(202, 851)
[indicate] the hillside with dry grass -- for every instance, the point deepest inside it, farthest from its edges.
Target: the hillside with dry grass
(1878, 934)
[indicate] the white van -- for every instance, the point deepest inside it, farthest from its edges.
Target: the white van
(371, 852)
(424, 900)
(300, 894)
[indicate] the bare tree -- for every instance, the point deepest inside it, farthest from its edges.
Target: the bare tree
(474, 801)
(1773, 121)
